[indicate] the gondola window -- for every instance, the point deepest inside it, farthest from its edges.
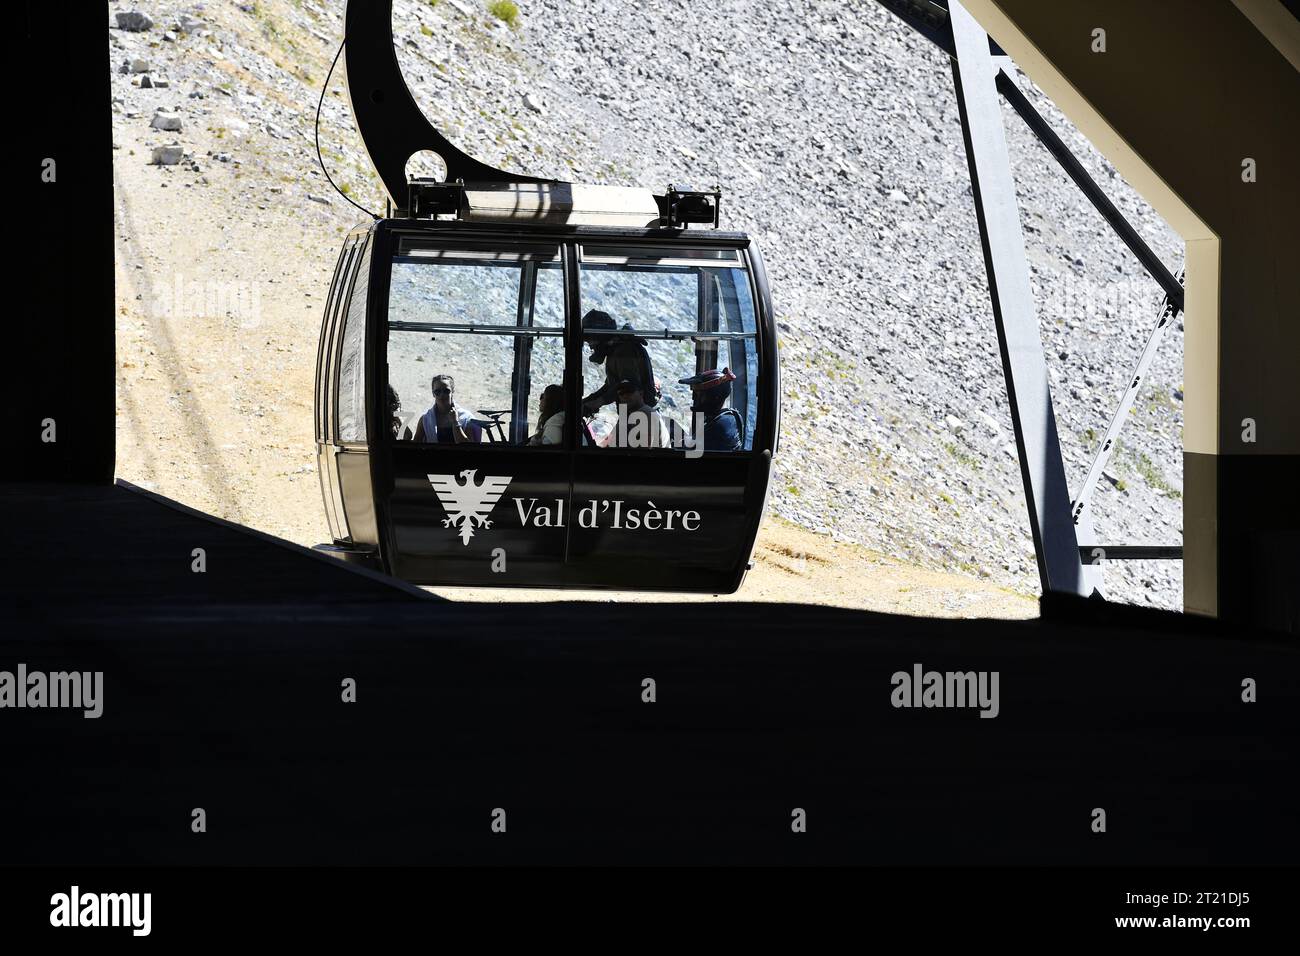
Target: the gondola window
(352, 359)
(652, 318)
(476, 337)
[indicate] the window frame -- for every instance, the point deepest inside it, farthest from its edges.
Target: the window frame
(762, 439)
(743, 262)
(486, 252)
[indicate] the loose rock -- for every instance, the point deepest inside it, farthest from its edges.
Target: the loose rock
(133, 21)
(170, 122)
(168, 155)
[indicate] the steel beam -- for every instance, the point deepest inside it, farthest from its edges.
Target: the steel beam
(927, 18)
(1047, 495)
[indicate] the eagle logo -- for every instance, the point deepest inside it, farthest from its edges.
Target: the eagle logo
(468, 504)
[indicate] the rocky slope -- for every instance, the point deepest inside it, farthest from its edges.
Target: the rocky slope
(833, 132)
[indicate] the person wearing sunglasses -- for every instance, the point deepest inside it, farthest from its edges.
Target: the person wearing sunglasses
(444, 423)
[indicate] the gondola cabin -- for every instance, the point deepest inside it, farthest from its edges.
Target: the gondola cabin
(520, 397)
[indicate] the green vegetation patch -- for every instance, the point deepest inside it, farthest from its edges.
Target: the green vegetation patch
(507, 11)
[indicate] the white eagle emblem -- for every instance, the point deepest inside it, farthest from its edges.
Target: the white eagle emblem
(467, 504)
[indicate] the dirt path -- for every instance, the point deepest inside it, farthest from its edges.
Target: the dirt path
(796, 565)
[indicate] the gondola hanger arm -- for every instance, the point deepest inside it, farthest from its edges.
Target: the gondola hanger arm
(393, 129)
(390, 123)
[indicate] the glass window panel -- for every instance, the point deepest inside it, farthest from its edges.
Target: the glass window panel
(481, 368)
(466, 291)
(490, 332)
(657, 289)
(672, 322)
(352, 359)
(323, 354)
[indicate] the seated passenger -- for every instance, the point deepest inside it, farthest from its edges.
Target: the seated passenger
(444, 423)
(624, 357)
(402, 429)
(723, 428)
(550, 417)
(639, 425)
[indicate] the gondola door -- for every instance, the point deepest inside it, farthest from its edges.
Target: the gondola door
(480, 486)
(668, 493)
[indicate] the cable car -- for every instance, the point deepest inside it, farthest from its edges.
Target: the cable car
(525, 383)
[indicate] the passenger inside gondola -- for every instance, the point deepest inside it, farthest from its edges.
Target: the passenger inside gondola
(444, 423)
(624, 357)
(402, 429)
(550, 417)
(639, 425)
(724, 428)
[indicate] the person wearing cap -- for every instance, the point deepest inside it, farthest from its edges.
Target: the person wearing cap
(624, 356)
(724, 428)
(640, 426)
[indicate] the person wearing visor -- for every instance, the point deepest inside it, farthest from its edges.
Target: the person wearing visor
(724, 428)
(624, 356)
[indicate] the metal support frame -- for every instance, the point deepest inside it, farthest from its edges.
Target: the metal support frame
(521, 377)
(1057, 538)
(1170, 307)
(976, 59)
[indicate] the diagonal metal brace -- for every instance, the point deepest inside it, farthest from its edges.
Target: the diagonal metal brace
(1168, 310)
(1088, 186)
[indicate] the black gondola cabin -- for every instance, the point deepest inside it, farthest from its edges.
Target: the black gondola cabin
(444, 343)
(500, 394)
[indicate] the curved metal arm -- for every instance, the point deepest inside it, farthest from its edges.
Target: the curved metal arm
(387, 117)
